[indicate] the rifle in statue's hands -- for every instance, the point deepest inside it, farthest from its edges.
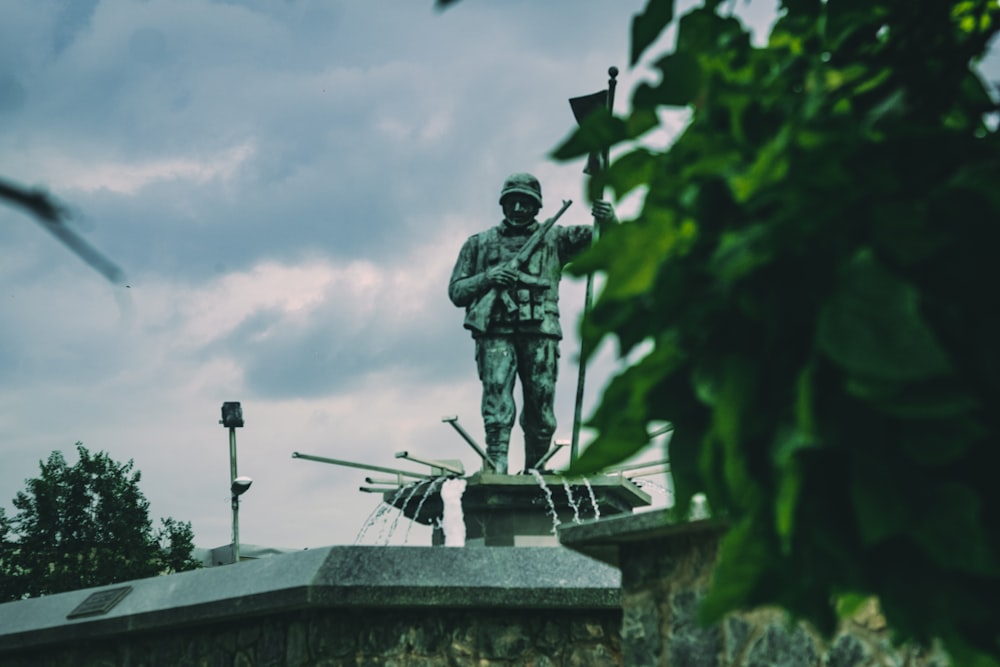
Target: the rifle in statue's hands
(477, 319)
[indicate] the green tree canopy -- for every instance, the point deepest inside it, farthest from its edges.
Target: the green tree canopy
(85, 525)
(813, 282)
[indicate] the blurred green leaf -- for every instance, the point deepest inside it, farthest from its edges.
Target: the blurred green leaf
(623, 414)
(880, 508)
(612, 446)
(654, 242)
(631, 171)
(872, 325)
(950, 528)
(938, 442)
(743, 558)
(742, 251)
(683, 449)
(703, 31)
(679, 87)
(601, 130)
(927, 400)
(769, 168)
(786, 504)
(850, 604)
(731, 409)
(597, 131)
(647, 26)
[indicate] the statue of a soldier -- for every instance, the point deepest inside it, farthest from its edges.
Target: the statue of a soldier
(520, 338)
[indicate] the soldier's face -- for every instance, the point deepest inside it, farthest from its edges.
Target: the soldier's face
(519, 209)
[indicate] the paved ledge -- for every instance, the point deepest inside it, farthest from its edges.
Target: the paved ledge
(332, 577)
(601, 538)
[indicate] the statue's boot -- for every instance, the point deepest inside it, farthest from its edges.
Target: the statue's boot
(497, 442)
(534, 449)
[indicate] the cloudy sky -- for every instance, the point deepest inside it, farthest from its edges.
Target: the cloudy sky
(286, 184)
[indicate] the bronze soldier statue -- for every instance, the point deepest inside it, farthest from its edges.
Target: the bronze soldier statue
(507, 279)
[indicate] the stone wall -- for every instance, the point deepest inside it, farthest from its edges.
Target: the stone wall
(358, 606)
(632, 600)
(666, 570)
(360, 638)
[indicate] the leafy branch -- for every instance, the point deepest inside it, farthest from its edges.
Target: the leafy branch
(813, 270)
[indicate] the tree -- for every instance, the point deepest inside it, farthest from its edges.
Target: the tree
(813, 277)
(85, 525)
(8, 581)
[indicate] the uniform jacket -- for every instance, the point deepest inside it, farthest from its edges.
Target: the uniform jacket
(532, 305)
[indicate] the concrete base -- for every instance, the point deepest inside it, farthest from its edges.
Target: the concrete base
(337, 606)
(352, 577)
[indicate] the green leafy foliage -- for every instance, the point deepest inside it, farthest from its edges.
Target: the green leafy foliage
(85, 525)
(648, 25)
(813, 275)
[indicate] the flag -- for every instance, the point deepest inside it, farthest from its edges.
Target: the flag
(582, 107)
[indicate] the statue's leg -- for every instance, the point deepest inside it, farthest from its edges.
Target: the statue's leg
(538, 368)
(497, 362)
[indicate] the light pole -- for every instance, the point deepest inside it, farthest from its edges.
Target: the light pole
(232, 418)
(238, 488)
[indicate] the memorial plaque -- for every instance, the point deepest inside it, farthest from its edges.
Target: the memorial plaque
(100, 603)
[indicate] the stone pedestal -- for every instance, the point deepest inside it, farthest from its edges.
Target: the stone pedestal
(518, 510)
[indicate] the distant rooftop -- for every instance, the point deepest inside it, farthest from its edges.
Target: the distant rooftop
(224, 555)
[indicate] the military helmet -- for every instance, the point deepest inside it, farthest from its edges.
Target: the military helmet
(523, 183)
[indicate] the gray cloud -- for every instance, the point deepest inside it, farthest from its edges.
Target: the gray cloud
(330, 356)
(70, 20)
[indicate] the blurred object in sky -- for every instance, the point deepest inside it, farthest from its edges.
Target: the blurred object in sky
(52, 216)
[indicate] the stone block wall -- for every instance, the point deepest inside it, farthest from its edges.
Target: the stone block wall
(350, 605)
(361, 638)
(666, 571)
(662, 586)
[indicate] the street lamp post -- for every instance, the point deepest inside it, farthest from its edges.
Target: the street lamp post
(238, 488)
(232, 418)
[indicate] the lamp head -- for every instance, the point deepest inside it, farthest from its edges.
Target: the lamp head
(240, 485)
(232, 414)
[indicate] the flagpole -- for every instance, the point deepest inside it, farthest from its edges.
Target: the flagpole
(589, 294)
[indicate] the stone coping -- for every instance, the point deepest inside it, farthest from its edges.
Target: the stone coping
(331, 577)
(601, 538)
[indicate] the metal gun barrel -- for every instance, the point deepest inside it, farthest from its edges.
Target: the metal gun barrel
(362, 466)
(658, 470)
(381, 480)
(441, 465)
(468, 438)
(549, 454)
(638, 466)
